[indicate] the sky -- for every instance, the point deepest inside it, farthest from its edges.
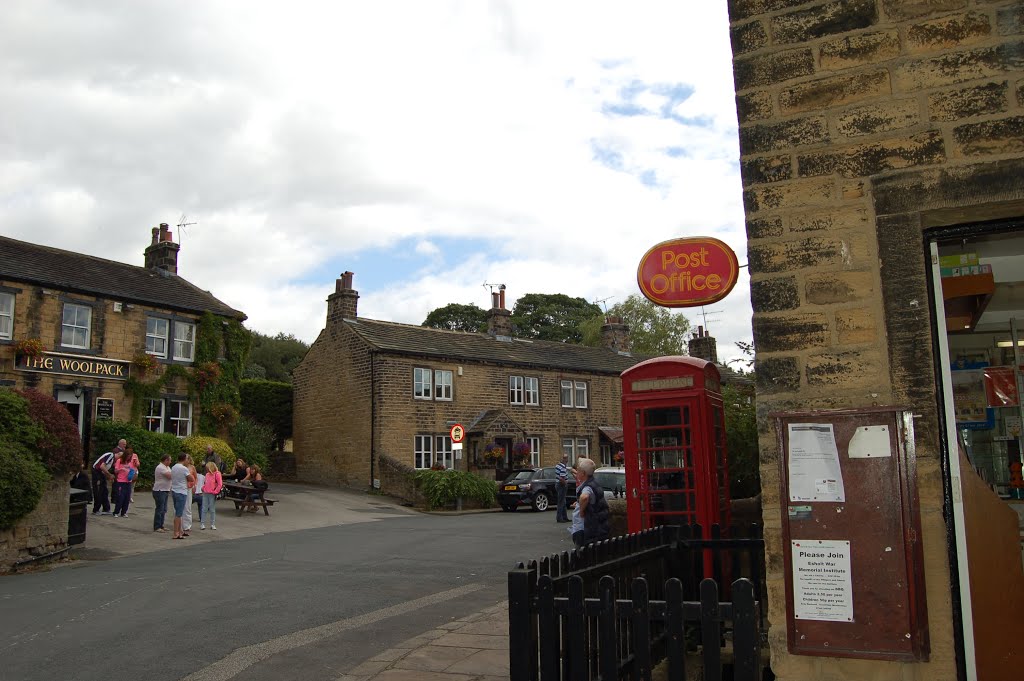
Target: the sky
(434, 149)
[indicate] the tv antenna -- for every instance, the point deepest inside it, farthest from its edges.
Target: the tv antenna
(603, 303)
(491, 287)
(704, 313)
(182, 224)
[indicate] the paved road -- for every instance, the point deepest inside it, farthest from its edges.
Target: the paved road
(308, 604)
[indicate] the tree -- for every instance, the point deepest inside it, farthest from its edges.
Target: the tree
(457, 317)
(653, 330)
(552, 316)
(741, 442)
(274, 357)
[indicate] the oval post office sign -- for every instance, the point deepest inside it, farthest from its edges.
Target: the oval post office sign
(688, 272)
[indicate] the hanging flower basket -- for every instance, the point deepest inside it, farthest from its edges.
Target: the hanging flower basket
(205, 374)
(29, 347)
(494, 454)
(520, 453)
(144, 363)
(619, 457)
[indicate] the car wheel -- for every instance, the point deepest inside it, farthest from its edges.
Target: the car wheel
(541, 502)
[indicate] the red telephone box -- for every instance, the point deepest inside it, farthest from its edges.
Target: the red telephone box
(674, 436)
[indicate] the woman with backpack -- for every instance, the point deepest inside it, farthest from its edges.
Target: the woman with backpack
(126, 470)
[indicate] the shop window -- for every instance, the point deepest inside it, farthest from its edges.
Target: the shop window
(156, 336)
(75, 324)
(442, 384)
(6, 316)
(184, 341)
(179, 418)
(421, 451)
(443, 450)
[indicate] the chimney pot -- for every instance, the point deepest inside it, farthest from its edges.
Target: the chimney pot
(501, 296)
(495, 301)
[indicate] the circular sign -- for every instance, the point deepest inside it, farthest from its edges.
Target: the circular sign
(458, 433)
(688, 272)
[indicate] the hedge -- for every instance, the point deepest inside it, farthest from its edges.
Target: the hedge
(150, 447)
(22, 480)
(60, 447)
(442, 488)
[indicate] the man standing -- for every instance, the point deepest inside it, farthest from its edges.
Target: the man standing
(180, 483)
(161, 490)
(214, 457)
(562, 474)
(100, 475)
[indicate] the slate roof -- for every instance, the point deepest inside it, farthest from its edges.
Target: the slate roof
(80, 273)
(405, 339)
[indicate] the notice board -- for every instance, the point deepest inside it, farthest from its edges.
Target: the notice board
(851, 531)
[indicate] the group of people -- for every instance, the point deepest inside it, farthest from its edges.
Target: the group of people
(590, 515)
(183, 483)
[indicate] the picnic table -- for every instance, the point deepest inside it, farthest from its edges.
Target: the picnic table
(246, 497)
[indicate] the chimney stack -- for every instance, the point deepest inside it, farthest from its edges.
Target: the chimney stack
(703, 346)
(615, 334)
(162, 253)
(499, 320)
(342, 304)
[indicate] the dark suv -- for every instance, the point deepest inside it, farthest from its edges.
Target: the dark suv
(534, 487)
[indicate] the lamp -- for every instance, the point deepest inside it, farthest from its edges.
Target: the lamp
(77, 388)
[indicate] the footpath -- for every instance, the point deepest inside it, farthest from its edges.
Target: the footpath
(474, 648)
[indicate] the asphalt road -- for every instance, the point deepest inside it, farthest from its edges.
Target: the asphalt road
(308, 604)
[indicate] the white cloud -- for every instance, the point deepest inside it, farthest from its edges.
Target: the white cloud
(304, 136)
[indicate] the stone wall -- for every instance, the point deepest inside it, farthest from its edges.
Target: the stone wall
(863, 123)
(42, 531)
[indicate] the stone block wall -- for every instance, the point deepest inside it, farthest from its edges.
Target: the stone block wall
(862, 124)
(42, 531)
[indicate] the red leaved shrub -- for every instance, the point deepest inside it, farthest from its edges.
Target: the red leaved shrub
(60, 448)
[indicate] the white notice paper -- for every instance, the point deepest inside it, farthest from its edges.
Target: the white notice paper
(870, 442)
(814, 473)
(822, 587)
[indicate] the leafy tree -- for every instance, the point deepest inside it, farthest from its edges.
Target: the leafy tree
(457, 317)
(741, 442)
(269, 403)
(552, 316)
(22, 480)
(60, 447)
(653, 330)
(274, 357)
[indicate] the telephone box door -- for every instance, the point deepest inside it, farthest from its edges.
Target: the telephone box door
(663, 488)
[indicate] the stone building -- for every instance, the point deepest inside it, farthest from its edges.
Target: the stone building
(369, 388)
(101, 322)
(882, 158)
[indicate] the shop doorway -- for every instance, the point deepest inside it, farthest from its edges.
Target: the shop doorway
(977, 280)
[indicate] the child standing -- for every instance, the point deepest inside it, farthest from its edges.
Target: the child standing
(212, 486)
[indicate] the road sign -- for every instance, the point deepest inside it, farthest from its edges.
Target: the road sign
(458, 433)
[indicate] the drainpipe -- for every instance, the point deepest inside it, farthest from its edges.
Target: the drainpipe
(373, 418)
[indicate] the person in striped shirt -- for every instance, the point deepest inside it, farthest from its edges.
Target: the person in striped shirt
(562, 475)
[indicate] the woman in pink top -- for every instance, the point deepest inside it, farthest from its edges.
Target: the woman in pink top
(212, 486)
(125, 467)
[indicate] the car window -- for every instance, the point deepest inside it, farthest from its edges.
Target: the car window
(519, 475)
(610, 480)
(546, 473)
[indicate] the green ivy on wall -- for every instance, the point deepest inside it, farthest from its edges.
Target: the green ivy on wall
(213, 380)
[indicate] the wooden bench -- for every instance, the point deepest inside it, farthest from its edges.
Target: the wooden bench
(243, 505)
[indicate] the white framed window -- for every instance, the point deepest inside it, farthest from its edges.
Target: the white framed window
(74, 330)
(179, 417)
(565, 388)
(575, 447)
(581, 395)
(184, 341)
(442, 384)
(156, 336)
(421, 451)
(515, 389)
(421, 382)
(153, 421)
(443, 451)
(606, 455)
(534, 443)
(532, 390)
(6, 316)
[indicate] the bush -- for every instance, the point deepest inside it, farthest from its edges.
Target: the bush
(16, 425)
(270, 403)
(60, 446)
(195, 445)
(150, 447)
(442, 488)
(22, 480)
(252, 441)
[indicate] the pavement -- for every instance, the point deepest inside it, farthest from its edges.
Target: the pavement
(473, 648)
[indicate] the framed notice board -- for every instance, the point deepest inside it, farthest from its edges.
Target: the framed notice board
(851, 534)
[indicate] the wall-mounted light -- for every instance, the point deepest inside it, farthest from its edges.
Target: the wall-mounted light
(78, 389)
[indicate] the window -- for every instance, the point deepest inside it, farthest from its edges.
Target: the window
(534, 443)
(421, 451)
(154, 419)
(606, 455)
(184, 341)
(444, 451)
(179, 418)
(574, 394)
(156, 336)
(575, 447)
(515, 389)
(6, 316)
(421, 379)
(532, 390)
(74, 332)
(442, 384)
